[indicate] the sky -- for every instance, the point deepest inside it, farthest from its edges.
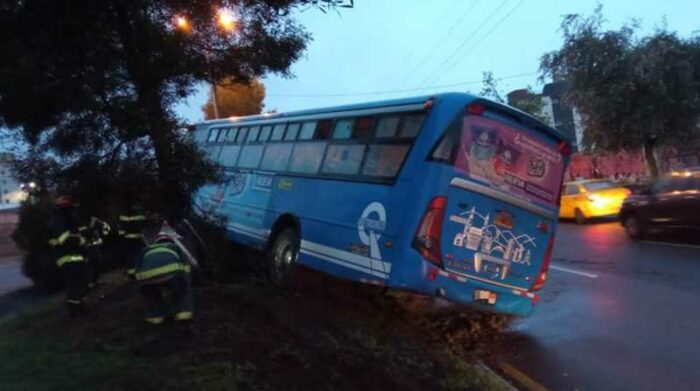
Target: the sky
(384, 49)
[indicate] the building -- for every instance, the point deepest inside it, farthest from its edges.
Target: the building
(10, 190)
(561, 116)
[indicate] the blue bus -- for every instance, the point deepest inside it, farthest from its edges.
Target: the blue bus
(449, 195)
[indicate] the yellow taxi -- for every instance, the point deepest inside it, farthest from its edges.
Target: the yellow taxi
(582, 200)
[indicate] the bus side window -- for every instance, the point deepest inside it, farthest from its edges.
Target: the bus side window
(292, 131)
(222, 135)
(324, 129)
(213, 153)
(387, 127)
(265, 133)
(242, 133)
(411, 124)
(276, 157)
(307, 130)
(253, 134)
(343, 159)
(278, 132)
(307, 157)
(213, 135)
(231, 135)
(229, 155)
(363, 127)
(250, 156)
(342, 129)
(385, 160)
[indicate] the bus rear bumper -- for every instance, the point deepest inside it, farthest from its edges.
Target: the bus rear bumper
(481, 295)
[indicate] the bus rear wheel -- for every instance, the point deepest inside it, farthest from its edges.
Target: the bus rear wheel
(282, 256)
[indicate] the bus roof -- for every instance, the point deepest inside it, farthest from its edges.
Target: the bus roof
(526, 118)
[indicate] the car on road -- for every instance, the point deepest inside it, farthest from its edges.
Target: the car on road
(586, 199)
(670, 203)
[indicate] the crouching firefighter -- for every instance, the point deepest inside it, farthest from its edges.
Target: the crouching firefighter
(67, 245)
(163, 274)
(95, 231)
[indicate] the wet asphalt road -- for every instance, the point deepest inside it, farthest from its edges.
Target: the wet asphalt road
(615, 315)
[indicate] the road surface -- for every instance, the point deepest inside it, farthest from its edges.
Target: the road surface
(615, 315)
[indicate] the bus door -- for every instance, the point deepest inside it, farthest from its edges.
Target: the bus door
(502, 202)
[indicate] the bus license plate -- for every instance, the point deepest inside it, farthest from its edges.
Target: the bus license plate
(485, 296)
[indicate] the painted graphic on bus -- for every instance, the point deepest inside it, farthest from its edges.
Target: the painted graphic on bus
(509, 159)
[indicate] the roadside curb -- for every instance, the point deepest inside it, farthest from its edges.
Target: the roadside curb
(505, 383)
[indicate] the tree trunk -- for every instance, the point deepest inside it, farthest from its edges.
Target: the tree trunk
(650, 158)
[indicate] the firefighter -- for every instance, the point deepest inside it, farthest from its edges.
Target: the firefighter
(67, 245)
(131, 223)
(95, 232)
(163, 274)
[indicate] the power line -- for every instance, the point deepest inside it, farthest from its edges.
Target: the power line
(483, 37)
(464, 83)
(464, 42)
(425, 58)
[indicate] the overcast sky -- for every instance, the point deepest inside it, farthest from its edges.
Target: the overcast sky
(382, 48)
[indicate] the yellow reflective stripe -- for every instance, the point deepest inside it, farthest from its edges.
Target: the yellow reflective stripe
(158, 250)
(62, 237)
(95, 242)
(53, 242)
(173, 267)
(184, 315)
(126, 218)
(130, 271)
(82, 228)
(133, 236)
(156, 320)
(69, 259)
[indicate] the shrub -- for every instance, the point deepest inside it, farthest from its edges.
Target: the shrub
(32, 235)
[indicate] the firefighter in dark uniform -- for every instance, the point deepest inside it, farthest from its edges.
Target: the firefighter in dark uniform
(131, 224)
(95, 231)
(163, 273)
(68, 246)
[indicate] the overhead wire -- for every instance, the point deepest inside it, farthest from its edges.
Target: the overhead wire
(474, 33)
(464, 83)
(483, 37)
(435, 47)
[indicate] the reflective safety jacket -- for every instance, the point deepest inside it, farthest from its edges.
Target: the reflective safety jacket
(160, 262)
(67, 241)
(95, 231)
(131, 224)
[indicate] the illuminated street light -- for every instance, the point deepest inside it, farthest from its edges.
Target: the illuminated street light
(182, 23)
(226, 20)
(32, 185)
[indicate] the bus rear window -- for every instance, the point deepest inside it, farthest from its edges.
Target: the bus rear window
(510, 159)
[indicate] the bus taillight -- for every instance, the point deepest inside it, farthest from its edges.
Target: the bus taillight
(544, 270)
(476, 109)
(427, 238)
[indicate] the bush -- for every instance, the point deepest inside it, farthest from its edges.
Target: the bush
(32, 235)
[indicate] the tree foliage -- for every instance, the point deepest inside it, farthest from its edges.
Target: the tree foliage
(531, 102)
(631, 92)
(236, 99)
(91, 85)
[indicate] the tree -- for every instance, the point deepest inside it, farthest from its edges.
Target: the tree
(529, 101)
(631, 92)
(236, 99)
(94, 81)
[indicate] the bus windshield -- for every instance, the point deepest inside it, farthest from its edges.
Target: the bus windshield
(509, 159)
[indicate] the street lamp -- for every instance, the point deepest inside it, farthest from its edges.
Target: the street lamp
(227, 21)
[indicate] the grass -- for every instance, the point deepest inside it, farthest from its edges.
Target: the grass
(246, 337)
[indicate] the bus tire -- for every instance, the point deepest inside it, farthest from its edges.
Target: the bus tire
(579, 216)
(282, 256)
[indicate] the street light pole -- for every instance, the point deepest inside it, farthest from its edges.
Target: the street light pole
(227, 22)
